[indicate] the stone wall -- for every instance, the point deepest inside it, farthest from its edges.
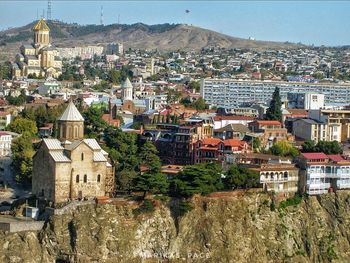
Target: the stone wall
(13, 227)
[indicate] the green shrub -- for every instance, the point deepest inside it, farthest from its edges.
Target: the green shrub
(146, 208)
(291, 202)
(184, 207)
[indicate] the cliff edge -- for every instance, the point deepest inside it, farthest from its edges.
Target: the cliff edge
(228, 229)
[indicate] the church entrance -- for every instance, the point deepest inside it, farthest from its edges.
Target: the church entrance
(80, 195)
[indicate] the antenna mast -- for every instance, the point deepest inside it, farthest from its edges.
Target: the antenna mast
(101, 16)
(48, 10)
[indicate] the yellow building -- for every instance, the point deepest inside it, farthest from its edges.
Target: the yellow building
(39, 58)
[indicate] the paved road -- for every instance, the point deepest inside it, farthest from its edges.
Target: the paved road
(13, 190)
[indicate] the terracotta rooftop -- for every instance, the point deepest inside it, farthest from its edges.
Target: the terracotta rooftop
(313, 156)
(234, 143)
(336, 157)
(211, 141)
(234, 118)
(263, 122)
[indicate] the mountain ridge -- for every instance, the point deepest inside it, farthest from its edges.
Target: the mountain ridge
(163, 37)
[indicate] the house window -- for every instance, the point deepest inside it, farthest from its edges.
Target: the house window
(77, 178)
(85, 178)
(98, 178)
(82, 156)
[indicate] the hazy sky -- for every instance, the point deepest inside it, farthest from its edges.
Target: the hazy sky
(312, 22)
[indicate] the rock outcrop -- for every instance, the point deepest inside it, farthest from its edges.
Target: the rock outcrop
(230, 229)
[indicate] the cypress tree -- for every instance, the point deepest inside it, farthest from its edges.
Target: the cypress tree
(274, 112)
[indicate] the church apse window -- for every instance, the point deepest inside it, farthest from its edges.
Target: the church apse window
(85, 178)
(82, 156)
(77, 178)
(98, 178)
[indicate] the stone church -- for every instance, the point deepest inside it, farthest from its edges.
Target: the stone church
(39, 58)
(71, 167)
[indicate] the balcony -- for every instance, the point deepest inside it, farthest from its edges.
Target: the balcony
(317, 192)
(316, 186)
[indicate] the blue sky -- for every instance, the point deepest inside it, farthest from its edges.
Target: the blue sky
(311, 22)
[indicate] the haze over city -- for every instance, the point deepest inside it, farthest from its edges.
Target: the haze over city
(312, 22)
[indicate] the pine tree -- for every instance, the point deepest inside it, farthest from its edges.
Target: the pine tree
(274, 112)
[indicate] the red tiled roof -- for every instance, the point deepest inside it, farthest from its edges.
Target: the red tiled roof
(234, 118)
(234, 143)
(312, 156)
(4, 113)
(336, 157)
(2, 133)
(297, 112)
(268, 122)
(211, 141)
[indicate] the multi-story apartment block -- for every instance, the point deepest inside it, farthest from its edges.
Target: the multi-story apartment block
(175, 143)
(322, 173)
(307, 101)
(114, 49)
(233, 93)
(338, 121)
(313, 130)
(271, 131)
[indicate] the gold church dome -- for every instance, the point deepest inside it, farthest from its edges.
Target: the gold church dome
(41, 26)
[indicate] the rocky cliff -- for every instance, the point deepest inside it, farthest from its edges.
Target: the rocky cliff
(229, 229)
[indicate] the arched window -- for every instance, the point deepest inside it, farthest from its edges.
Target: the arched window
(82, 156)
(77, 178)
(98, 178)
(85, 178)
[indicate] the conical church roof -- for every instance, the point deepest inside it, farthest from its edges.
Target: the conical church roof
(41, 26)
(126, 84)
(71, 114)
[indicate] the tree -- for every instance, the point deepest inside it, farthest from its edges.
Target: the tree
(22, 158)
(114, 76)
(122, 148)
(94, 124)
(126, 180)
(326, 147)
(194, 85)
(17, 101)
(21, 125)
(256, 144)
(241, 177)
(283, 148)
(274, 112)
(148, 156)
(308, 146)
(173, 96)
(199, 104)
(156, 183)
(201, 178)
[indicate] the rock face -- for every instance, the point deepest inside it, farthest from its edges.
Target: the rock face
(236, 229)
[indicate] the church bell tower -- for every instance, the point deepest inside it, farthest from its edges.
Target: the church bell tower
(41, 34)
(71, 124)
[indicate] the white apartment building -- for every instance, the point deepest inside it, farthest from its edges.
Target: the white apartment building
(232, 93)
(307, 101)
(323, 173)
(85, 52)
(5, 142)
